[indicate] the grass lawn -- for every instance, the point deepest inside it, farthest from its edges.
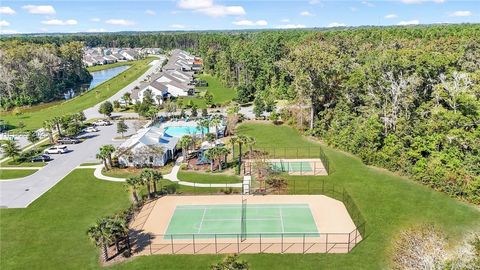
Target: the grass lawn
(107, 66)
(33, 119)
(132, 172)
(209, 178)
(53, 227)
(11, 163)
(12, 174)
(220, 92)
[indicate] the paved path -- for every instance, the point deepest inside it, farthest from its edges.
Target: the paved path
(172, 176)
(21, 192)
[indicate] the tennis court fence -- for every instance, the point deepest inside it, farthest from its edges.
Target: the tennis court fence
(252, 243)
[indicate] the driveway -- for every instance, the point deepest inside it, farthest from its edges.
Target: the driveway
(20, 193)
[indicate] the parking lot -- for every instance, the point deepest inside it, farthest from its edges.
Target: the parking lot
(20, 193)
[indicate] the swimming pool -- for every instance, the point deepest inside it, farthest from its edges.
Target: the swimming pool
(179, 131)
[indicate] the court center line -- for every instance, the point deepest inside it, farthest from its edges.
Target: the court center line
(201, 222)
(281, 219)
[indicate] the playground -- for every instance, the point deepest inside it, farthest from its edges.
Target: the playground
(244, 224)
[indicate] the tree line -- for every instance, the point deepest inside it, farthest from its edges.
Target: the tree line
(32, 73)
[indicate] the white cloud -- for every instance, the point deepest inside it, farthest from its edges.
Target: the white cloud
(8, 32)
(7, 10)
(290, 26)
(208, 7)
(438, 1)
(33, 9)
(460, 13)
(285, 20)
(150, 12)
(336, 24)
(220, 11)
(390, 16)
(314, 2)
(4, 23)
(411, 22)
(368, 4)
(306, 14)
(178, 26)
(250, 23)
(119, 22)
(195, 4)
(421, 1)
(95, 19)
(60, 22)
(96, 30)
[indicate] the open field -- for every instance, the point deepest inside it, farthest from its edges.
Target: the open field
(107, 66)
(53, 227)
(12, 174)
(33, 119)
(221, 93)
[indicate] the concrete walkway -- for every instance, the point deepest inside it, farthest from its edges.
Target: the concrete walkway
(172, 176)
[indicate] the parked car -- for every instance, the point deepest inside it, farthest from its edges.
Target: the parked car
(102, 123)
(57, 149)
(66, 140)
(41, 158)
(90, 129)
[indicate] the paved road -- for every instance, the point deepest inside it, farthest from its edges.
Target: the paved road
(20, 193)
(92, 112)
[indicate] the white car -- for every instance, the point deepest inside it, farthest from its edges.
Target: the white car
(102, 123)
(57, 149)
(90, 129)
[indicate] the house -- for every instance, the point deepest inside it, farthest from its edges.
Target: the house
(130, 55)
(176, 88)
(148, 147)
(118, 56)
(89, 61)
(99, 60)
(110, 59)
(158, 90)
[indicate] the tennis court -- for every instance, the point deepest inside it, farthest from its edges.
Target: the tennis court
(226, 224)
(226, 220)
(291, 166)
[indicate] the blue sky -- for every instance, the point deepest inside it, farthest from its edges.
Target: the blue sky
(154, 15)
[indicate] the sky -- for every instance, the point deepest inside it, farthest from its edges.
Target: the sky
(69, 16)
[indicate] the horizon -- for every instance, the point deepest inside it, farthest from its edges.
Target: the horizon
(79, 17)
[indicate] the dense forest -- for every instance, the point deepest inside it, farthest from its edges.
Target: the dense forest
(32, 73)
(403, 98)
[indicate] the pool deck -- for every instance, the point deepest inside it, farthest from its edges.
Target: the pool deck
(338, 233)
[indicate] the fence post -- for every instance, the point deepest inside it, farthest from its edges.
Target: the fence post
(356, 231)
(260, 243)
(348, 246)
(303, 246)
(171, 241)
(193, 237)
(150, 242)
(326, 243)
(282, 244)
(238, 245)
(216, 244)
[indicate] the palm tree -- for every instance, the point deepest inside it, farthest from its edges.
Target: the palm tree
(119, 230)
(134, 184)
(241, 139)
(222, 152)
(33, 137)
(211, 155)
(203, 124)
(11, 149)
(106, 152)
(251, 142)
(149, 177)
(232, 142)
(216, 122)
(101, 234)
(57, 121)
(185, 142)
(48, 126)
(103, 158)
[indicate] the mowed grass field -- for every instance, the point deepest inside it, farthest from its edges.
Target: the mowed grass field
(221, 93)
(209, 178)
(12, 174)
(53, 227)
(107, 66)
(33, 119)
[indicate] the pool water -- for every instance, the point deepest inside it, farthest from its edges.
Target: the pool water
(184, 130)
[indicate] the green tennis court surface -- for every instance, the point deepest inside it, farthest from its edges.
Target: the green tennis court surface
(292, 166)
(269, 219)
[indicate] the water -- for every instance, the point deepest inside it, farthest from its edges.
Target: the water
(184, 130)
(105, 75)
